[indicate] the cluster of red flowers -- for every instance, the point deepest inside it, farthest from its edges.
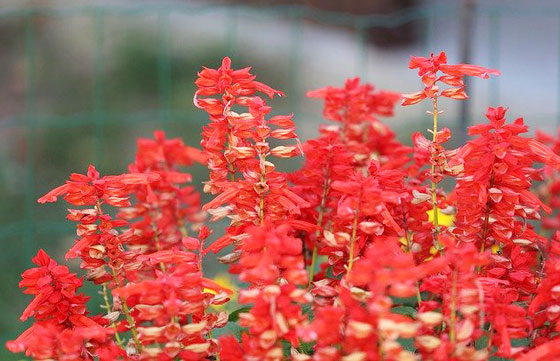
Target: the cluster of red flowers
(62, 328)
(359, 255)
(428, 69)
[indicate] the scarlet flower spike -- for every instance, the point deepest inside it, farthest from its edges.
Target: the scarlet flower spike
(428, 69)
(229, 82)
(248, 188)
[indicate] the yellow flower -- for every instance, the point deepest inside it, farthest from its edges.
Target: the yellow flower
(443, 219)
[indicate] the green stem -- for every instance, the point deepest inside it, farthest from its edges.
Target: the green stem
(352, 242)
(320, 218)
(157, 242)
(433, 183)
(128, 316)
(262, 161)
(312, 267)
(182, 227)
(453, 306)
(108, 307)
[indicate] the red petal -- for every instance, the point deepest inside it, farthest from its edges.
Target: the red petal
(207, 283)
(410, 99)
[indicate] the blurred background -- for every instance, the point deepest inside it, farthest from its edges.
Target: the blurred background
(81, 80)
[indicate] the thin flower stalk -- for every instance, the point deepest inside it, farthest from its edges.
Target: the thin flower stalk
(435, 209)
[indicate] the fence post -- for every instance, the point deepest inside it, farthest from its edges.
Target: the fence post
(494, 53)
(98, 101)
(30, 109)
(296, 34)
(164, 68)
(466, 34)
(362, 35)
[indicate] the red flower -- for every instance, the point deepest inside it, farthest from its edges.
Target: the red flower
(161, 152)
(87, 189)
(62, 330)
(230, 83)
(45, 341)
(230, 349)
(496, 180)
(165, 209)
(428, 69)
(54, 288)
(356, 107)
(355, 102)
(249, 188)
(275, 316)
(271, 252)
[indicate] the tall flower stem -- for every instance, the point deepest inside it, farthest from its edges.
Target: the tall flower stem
(353, 242)
(230, 167)
(262, 161)
(182, 227)
(107, 306)
(313, 265)
(128, 316)
(157, 241)
(418, 294)
(319, 225)
(229, 141)
(434, 184)
(125, 308)
(486, 223)
(453, 306)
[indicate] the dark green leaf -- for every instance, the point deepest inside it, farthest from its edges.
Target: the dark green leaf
(404, 310)
(407, 344)
(234, 316)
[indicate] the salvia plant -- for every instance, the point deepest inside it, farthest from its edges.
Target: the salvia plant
(359, 255)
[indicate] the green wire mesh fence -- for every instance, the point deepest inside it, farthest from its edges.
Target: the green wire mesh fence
(98, 117)
(23, 228)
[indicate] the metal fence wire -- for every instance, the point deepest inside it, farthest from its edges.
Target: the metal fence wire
(30, 122)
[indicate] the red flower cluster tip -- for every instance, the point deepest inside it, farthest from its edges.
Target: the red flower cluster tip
(453, 75)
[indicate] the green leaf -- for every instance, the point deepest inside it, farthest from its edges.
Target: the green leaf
(234, 316)
(518, 342)
(306, 348)
(408, 301)
(404, 310)
(286, 348)
(481, 342)
(329, 273)
(407, 344)
(306, 308)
